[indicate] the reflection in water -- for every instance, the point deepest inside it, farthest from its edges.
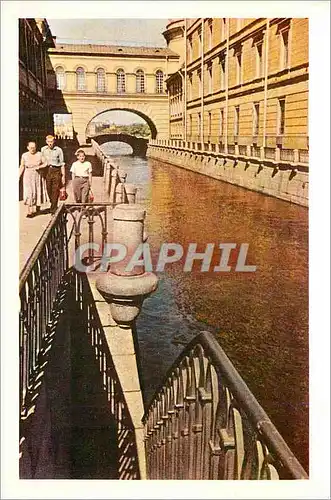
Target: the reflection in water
(261, 318)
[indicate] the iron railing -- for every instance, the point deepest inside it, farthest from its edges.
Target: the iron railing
(38, 285)
(204, 423)
(41, 277)
(83, 217)
(128, 467)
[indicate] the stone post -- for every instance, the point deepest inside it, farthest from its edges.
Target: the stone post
(131, 191)
(125, 290)
(113, 182)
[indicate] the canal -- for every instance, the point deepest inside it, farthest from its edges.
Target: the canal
(260, 319)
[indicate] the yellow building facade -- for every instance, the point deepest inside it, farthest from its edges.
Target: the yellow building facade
(244, 82)
(86, 80)
(238, 104)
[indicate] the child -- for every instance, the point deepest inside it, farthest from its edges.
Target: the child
(81, 177)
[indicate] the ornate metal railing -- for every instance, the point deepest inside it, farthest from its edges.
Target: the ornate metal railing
(204, 423)
(126, 442)
(81, 218)
(39, 282)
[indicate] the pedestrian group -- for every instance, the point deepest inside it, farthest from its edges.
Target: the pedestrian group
(44, 178)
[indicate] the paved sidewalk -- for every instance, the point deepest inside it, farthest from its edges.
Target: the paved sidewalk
(32, 229)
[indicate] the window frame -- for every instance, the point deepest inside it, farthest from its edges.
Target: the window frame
(120, 81)
(57, 74)
(102, 88)
(281, 116)
(80, 79)
(236, 121)
(256, 118)
(140, 82)
(159, 83)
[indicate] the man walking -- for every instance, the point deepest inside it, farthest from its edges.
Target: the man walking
(56, 173)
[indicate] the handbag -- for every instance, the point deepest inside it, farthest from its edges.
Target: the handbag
(90, 196)
(63, 194)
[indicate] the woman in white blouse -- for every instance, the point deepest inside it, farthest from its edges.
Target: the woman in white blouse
(81, 171)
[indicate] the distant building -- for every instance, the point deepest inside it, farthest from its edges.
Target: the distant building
(35, 120)
(243, 85)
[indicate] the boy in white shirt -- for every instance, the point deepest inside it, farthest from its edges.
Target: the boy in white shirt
(81, 177)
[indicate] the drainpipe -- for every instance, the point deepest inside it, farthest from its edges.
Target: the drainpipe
(202, 84)
(227, 84)
(266, 50)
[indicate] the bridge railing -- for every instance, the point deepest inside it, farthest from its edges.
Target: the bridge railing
(42, 279)
(128, 466)
(38, 285)
(204, 423)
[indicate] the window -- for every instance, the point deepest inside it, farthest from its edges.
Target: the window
(199, 124)
(120, 81)
(22, 42)
(190, 125)
(236, 121)
(284, 49)
(210, 78)
(80, 79)
(200, 40)
(209, 125)
(281, 117)
(140, 81)
(210, 33)
(221, 129)
(190, 87)
(239, 67)
(222, 67)
(259, 61)
(159, 82)
(101, 80)
(199, 80)
(189, 48)
(60, 78)
(223, 28)
(256, 113)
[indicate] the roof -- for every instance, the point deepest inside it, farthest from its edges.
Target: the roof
(112, 50)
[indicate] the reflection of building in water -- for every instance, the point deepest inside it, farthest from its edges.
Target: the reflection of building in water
(63, 126)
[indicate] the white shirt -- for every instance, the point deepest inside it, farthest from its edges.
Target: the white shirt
(81, 169)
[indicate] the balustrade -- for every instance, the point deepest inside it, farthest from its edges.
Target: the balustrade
(204, 423)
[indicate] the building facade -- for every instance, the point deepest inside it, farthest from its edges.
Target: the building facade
(86, 80)
(241, 97)
(244, 82)
(34, 118)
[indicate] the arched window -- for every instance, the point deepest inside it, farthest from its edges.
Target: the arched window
(120, 79)
(80, 79)
(140, 81)
(101, 80)
(159, 82)
(60, 78)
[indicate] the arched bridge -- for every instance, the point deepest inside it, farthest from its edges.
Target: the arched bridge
(138, 144)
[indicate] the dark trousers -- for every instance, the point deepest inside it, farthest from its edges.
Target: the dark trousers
(53, 184)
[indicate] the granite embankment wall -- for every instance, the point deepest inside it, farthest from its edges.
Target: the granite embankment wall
(282, 179)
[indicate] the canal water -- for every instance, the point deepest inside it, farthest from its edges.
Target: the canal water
(260, 319)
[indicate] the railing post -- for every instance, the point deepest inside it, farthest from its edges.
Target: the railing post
(122, 287)
(131, 191)
(119, 190)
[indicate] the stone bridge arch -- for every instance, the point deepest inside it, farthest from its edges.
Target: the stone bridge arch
(138, 144)
(139, 113)
(84, 108)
